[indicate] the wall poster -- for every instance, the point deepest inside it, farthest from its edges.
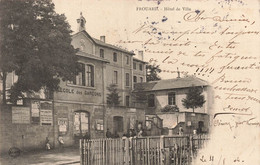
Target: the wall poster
(63, 125)
(35, 111)
(20, 115)
(46, 115)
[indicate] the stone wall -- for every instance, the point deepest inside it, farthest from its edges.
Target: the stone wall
(24, 136)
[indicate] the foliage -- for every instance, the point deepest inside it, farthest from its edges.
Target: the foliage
(36, 44)
(138, 94)
(152, 72)
(113, 95)
(170, 108)
(194, 98)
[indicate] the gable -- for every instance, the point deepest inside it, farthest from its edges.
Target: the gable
(83, 42)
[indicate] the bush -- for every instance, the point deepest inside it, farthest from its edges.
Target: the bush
(170, 108)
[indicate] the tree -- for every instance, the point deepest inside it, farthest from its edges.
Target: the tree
(139, 94)
(113, 96)
(36, 44)
(152, 71)
(194, 98)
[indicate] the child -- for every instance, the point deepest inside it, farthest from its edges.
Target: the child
(47, 144)
(61, 142)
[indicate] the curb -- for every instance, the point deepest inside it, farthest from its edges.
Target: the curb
(70, 163)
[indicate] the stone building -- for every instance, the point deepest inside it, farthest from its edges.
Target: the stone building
(169, 93)
(79, 107)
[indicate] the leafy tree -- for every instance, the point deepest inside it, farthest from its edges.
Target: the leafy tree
(139, 94)
(152, 72)
(113, 95)
(35, 42)
(194, 98)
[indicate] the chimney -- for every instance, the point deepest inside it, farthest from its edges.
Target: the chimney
(178, 73)
(141, 55)
(103, 38)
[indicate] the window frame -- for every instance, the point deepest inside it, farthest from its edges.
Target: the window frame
(90, 82)
(134, 79)
(115, 77)
(134, 65)
(102, 53)
(127, 59)
(115, 57)
(141, 67)
(172, 96)
(127, 101)
(127, 79)
(82, 80)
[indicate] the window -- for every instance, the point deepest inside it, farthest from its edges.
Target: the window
(141, 67)
(99, 125)
(115, 57)
(127, 101)
(127, 79)
(115, 78)
(134, 65)
(141, 79)
(102, 53)
(80, 78)
(90, 76)
(127, 60)
(135, 79)
(85, 76)
(171, 98)
(151, 100)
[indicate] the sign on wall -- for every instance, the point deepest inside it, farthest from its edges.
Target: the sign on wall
(20, 115)
(63, 125)
(46, 113)
(35, 111)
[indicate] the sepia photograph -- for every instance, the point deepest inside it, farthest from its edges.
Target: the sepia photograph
(129, 82)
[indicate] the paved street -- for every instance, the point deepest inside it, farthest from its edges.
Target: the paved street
(52, 157)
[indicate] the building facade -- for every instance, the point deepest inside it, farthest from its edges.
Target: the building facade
(166, 94)
(79, 107)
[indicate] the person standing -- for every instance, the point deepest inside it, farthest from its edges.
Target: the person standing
(108, 134)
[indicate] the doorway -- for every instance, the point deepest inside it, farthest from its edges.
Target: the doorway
(81, 123)
(118, 124)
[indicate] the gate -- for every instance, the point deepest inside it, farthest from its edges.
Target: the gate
(155, 150)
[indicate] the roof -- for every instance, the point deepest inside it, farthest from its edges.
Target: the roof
(136, 59)
(101, 43)
(91, 56)
(171, 84)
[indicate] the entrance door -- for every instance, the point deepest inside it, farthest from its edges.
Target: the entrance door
(118, 125)
(81, 123)
(201, 125)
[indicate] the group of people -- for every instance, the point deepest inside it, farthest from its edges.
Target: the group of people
(48, 145)
(130, 133)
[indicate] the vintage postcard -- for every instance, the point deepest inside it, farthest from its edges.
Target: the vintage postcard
(130, 82)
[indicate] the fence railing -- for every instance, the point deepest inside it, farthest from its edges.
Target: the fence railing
(154, 150)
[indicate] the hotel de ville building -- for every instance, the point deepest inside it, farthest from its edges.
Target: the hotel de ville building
(79, 107)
